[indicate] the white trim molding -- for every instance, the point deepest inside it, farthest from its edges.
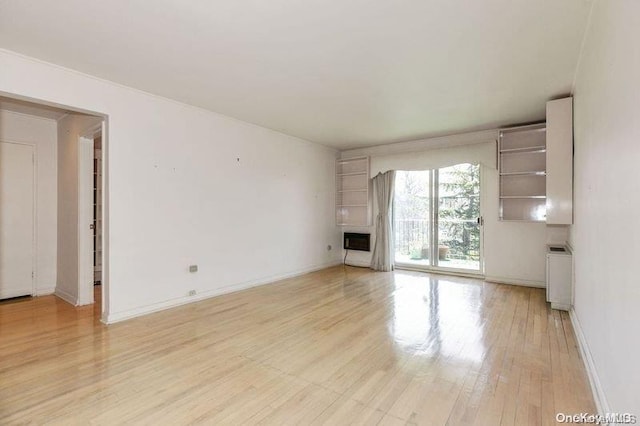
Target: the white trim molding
(45, 291)
(67, 297)
(516, 281)
(172, 303)
(602, 405)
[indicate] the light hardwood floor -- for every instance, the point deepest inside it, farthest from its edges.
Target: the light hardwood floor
(339, 346)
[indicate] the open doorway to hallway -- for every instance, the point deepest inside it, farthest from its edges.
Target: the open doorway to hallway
(52, 217)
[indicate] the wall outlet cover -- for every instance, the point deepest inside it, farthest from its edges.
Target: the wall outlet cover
(192, 292)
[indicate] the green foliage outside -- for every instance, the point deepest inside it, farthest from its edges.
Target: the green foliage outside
(459, 210)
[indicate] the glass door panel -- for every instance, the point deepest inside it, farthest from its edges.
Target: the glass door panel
(457, 218)
(412, 217)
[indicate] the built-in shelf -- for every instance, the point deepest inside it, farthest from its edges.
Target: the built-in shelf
(527, 128)
(353, 200)
(535, 166)
(533, 172)
(352, 174)
(522, 169)
(525, 150)
(522, 220)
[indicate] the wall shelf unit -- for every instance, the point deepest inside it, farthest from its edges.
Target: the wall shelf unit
(353, 192)
(531, 172)
(523, 162)
(525, 149)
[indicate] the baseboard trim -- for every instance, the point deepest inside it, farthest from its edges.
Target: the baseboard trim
(67, 297)
(112, 318)
(516, 281)
(561, 306)
(45, 291)
(602, 405)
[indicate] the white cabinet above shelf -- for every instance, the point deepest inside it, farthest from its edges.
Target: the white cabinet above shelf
(560, 162)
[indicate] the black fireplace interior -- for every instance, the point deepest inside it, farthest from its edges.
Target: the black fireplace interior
(355, 241)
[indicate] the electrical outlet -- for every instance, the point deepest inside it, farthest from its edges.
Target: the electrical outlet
(193, 268)
(192, 292)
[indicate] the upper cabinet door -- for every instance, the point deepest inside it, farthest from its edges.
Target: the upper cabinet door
(560, 162)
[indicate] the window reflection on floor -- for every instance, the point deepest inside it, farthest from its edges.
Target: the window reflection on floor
(438, 316)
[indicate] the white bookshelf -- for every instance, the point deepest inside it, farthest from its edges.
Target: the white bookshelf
(523, 169)
(353, 200)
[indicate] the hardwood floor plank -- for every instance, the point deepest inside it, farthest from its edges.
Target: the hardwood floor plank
(339, 346)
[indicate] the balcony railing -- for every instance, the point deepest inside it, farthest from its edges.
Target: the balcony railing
(458, 239)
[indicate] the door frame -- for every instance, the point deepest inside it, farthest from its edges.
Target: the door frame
(85, 146)
(34, 212)
(105, 186)
(85, 214)
(433, 224)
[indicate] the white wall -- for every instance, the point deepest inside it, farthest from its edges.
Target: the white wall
(70, 128)
(606, 235)
(514, 252)
(188, 186)
(41, 133)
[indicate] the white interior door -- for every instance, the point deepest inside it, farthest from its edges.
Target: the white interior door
(16, 220)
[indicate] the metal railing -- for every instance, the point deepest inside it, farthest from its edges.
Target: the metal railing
(460, 237)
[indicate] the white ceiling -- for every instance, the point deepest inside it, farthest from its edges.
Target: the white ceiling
(32, 109)
(345, 73)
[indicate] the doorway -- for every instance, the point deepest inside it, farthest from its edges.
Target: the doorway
(53, 210)
(97, 208)
(437, 219)
(90, 213)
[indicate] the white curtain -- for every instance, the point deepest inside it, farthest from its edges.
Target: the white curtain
(382, 259)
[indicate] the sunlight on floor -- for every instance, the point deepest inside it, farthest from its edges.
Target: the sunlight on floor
(437, 316)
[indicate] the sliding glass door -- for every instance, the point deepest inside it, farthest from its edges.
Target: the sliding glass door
(411, 213)
(437, 222)
(458, 217)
